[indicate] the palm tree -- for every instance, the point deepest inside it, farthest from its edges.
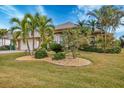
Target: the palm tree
(84, 30)
(108, 18)
(122, 41)
(32, 25)
(3, 32)
(1, 36)
(45, 29)
(15, 36)
(92, 23)
(23, 27)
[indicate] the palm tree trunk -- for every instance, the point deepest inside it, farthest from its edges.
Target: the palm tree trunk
(2, 41)
(33, 41)
(39, 43)
(105, 37)
(28, 48)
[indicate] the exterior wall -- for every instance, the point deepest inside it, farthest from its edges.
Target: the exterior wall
(23, 46)
(58, 38)
(5, 42)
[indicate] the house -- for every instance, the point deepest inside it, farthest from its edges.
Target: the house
(4, 41)
(99, 35)
(57, 36)
(95, 36)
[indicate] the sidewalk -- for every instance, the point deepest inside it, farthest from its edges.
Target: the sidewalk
(10, 51)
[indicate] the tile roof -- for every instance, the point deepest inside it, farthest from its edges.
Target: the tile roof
(66, 25)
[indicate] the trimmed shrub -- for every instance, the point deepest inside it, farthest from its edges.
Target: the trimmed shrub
(40, 53)
(113, 50)
(117, 49)
(92, 49)
(56, 47)
(59, 56)
(3, 48)
(100, 50)
(7, 47)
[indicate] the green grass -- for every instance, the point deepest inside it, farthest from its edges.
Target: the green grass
(107, 70)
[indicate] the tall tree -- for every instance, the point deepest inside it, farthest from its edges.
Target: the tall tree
(92, 23)
(45, 29)
(24, 28)
(32, 26)
(122, 41)
(84, 30)
(3, 33)
(15, 36)
(108, 18)
(71, 41)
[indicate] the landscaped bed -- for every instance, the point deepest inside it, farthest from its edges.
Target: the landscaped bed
(68, 61)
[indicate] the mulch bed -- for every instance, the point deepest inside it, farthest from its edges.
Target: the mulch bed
(68, 61)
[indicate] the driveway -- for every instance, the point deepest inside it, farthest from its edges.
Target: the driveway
(10, 51)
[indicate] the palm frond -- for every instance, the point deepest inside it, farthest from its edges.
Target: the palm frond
(15, 20)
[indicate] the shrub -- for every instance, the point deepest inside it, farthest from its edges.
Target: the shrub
(117, 49)
(100, 50)
(7, 47)
(92, 49)
(3, 48)
(59, 55)
(40, 53)
(56, 47)
(113, 50)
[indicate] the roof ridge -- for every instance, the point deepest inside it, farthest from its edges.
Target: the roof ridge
(65, 23)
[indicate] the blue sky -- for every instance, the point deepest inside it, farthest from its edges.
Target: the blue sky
(59, 13)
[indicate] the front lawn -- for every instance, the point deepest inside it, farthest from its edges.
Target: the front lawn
(107, 70)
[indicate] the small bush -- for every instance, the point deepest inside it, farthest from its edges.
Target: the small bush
(117, 49)
(113, 50)
(100, 50)
(40, 53)
(3, 48)
(56, 47)
(92, 49)
(59, 56)
(7, 47)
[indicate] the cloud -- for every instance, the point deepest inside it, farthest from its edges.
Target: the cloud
(4, 26)
(40, 9)
(88, 7)
(119, 32)
(11, 11)
(82, 10)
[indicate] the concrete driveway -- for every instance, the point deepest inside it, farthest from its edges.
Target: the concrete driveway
(10, 51)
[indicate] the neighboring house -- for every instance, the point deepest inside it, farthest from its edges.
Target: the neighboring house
(4, 41)
(98, 35)
(57, 36)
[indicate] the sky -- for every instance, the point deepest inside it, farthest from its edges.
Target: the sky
(58, 13)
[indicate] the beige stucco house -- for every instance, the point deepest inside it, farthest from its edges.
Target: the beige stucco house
(5, 40)
(57, 36)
